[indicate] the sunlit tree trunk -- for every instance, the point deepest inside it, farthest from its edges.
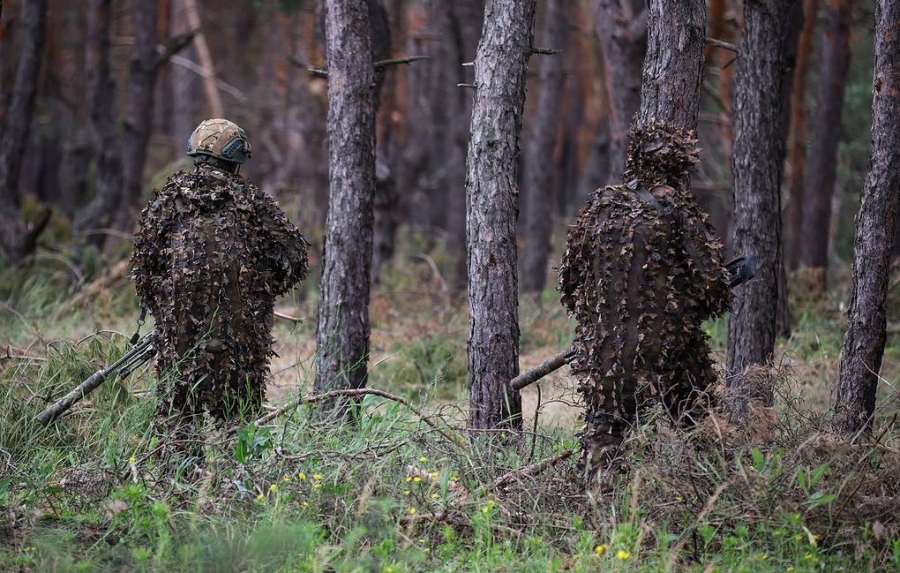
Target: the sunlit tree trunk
(15, 242)
(540, 184)
(823, 147)
(342, 332)
(756, 168)
(492, 208)
(865, 337)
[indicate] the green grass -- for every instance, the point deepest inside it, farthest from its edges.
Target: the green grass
(393, 493)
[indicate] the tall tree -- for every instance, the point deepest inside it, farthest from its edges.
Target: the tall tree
(539, 171)
(492, 209)
(793, 210)
(108, 179)
(342, 331)
(876, 222)
(823, 147)
(15, 240)
(622, 31)
(756, 170)
(673, 66)
(139, 116)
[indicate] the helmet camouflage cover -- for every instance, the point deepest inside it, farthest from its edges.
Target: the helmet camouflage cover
(219, 139)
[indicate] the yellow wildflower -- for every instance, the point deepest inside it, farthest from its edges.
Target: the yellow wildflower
(623, 555)
(600, 549)
(273, 487)
(260, 497)
(423, 459)
(412, 510)
(417, 479)
(131, 460)
(317, 476)
(301, 476)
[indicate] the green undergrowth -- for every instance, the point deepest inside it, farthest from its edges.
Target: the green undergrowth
(403, 487)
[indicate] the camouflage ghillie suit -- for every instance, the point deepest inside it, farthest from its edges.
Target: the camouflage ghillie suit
(212, 254)
(641, 272)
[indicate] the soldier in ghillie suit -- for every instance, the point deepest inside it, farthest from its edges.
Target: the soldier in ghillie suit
(212, 254)
(641, 272)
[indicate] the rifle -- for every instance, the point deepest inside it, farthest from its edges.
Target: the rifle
(737, 272)
(141, 351)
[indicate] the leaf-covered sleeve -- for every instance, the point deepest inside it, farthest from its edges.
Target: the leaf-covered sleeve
(285, 247)
(148, 258)
(704, 248)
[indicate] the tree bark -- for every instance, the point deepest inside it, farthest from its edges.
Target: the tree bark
(823, 147)
(673, 66)
(492, 209)
(343, 331)
(466, 19)
(793, 215)
(622, 32)
(756, 169)
(539, 181)
(97, 216)
(14, 237)
(213, 97)
(386, 201)
(865, 337)
(139, 115)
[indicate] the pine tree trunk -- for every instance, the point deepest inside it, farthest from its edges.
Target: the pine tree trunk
(673, 66)
(97, 216)
(466, 19)
(823, 147)
(622, 32)
(865, 337)
(139, 115)
(492, 209)
(793, 215)
(756, 169)
(343, 322)
(540, 185)
(13, 238)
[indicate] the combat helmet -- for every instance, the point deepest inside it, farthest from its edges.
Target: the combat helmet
(221, 143)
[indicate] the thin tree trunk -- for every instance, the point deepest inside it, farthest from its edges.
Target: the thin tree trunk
(793, 216)
(13, 237)
(540, 186)
(466, 19)
(756, 169)
(92, 221)
(386, 201)
(823, 147)
(342, 332)
(492, 209)
(622, 31)
(213, 98)
(673, 66)
(139, 115)
(865, 337)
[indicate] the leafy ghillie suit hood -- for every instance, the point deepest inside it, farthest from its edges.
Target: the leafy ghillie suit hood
(642, 271)
(212, 254)
(660, 154)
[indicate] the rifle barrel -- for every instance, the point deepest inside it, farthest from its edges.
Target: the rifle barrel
(140, 352)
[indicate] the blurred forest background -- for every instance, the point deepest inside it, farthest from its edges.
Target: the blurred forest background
(120, 86)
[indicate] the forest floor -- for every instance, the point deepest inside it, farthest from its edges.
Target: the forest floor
(405, 488)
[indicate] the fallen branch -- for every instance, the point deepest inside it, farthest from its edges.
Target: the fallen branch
(532, 470)
(546, 367)
(356, 392)
(115, 273)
